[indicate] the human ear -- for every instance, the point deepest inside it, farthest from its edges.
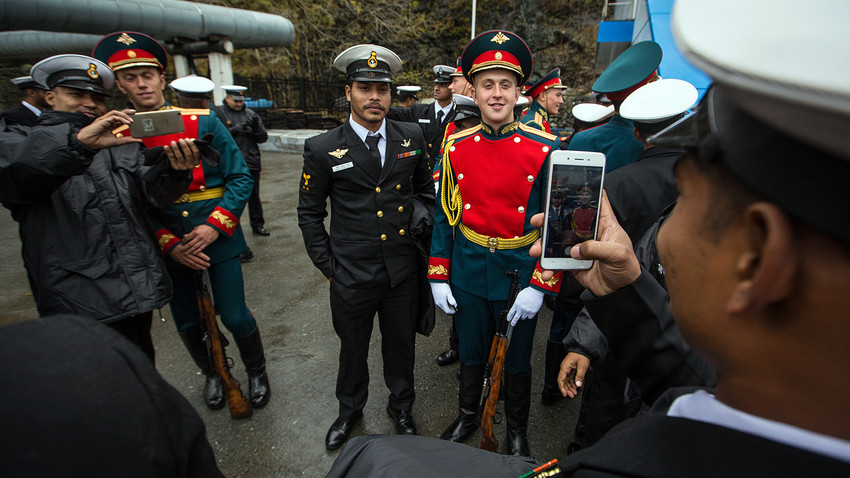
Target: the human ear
(50, 98)
(769, 263)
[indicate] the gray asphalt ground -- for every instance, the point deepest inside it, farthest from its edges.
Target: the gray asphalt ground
(289, 298)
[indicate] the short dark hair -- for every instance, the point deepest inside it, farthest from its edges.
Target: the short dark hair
(730, 196)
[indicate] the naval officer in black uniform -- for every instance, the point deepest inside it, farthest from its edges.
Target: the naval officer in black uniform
(375, 172)
(32, 103)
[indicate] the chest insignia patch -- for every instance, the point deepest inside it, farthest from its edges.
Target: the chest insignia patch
(409, 154)
(338, 154)
(405, 143)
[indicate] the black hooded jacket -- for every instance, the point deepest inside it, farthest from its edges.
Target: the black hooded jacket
(88, 245)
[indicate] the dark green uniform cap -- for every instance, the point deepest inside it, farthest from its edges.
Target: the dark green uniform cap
(629, 71)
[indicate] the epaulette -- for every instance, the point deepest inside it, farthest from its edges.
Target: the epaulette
(464, 132)
(120, 130)
(193, 111)
(528, 129)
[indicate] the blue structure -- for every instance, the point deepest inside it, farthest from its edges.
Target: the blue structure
(651, 22)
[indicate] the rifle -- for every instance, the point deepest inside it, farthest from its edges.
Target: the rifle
(236, 402)
(495, 365)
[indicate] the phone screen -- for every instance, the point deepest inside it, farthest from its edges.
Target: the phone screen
(573, 207)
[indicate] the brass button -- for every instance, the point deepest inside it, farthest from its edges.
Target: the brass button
(530, 178)
(398, 187)
(198, 165)
(203, 188)
(119, 135)
(429, 145)
(516, 139)
(380, 213)
(467, 206)
(401, 232)
(378, 189)
(460, 176)
(185, 213)
(383, 237)
(520, 209)
(452, 149)
(401, 209)
(477, 138)
(193, 117)
(546, 149)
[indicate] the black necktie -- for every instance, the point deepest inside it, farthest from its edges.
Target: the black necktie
(439, 116)
(372, 142)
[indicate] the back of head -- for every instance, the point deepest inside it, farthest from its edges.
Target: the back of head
(76, 381)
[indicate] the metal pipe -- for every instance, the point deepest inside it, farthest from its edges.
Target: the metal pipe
(162, 19)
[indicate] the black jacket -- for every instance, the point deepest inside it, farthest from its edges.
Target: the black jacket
(640, 191)
(369, 242)
(88, 245)
(247, 130)
(424, 115)
(102, 407)
(19, 115)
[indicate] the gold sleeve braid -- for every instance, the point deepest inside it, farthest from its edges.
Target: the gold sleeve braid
(449, 191)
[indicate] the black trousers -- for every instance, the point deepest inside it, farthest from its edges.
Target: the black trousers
(353, 311)
(255, 207)
(137, 329)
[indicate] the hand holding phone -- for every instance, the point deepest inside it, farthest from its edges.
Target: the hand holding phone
(572, 206)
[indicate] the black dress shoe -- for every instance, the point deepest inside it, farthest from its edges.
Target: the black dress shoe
(448, 357)
(259, 390)
(403, 421)
(340, 430)
(214, 392)
(246, 256)
(260, 231)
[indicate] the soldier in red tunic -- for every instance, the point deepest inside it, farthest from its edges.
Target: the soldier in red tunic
(492, 179)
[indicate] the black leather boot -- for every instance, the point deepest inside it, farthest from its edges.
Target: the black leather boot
(517, 404)
(193, 338)
(251, 351)
(555, 353)
(469, 394)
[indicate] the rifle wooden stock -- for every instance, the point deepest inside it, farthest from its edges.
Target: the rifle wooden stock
(494, 368)
(498, 349)
(237, 404)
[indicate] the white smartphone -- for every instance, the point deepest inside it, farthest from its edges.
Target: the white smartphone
(572, 206)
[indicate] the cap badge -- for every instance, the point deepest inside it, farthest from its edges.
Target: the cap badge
(125, 39)
(131, 53)
(500, 38)
(338, 154)
(405, 143)
(498, 55)
(373, 60)
(92, 71)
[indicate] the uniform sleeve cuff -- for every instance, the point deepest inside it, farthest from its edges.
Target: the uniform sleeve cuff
(438, 268)
(223, 220)
(552, 286)
(166, 240)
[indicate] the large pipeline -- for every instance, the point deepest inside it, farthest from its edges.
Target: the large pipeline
(162, 19)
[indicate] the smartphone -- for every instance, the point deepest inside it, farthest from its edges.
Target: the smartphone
(156, 123)
(572, 206)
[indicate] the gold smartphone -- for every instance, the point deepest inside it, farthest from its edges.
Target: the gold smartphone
(156, 123)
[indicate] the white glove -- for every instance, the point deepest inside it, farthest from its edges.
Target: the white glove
(526, 305)
(443, 297)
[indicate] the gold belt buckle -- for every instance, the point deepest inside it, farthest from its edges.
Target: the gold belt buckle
(184, 198)
(493, 242)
